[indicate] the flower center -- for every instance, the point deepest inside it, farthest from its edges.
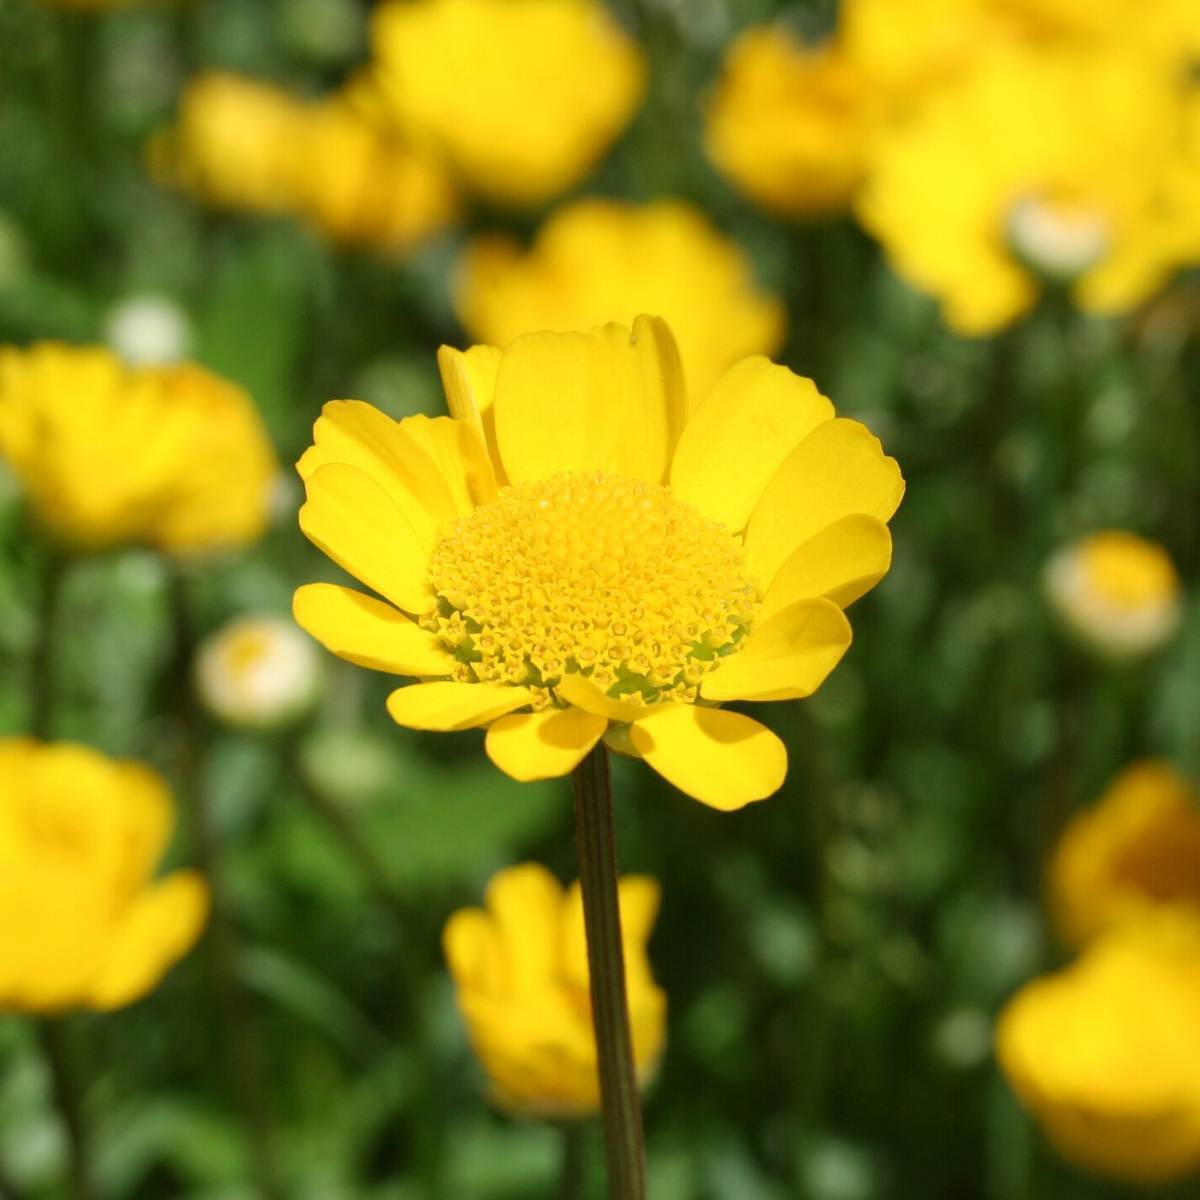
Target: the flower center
(1059, 239)
(602, 574)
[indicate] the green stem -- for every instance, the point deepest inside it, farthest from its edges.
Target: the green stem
(242, 1046)
(52, 1036)
(571, 1173)
(42, 671)
(620, 1103)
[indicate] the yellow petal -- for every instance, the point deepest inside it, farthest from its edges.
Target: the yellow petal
(445, 706)
(580, 691)
(839, 469)
(609, 400)
(358, 435)
(786, 658)
(752, 419)
(723, 759)
(160, 927)
(543, 745)
(367, 632)
(469, 381)
(354, 521)
(524, 903)
(638, 897)
(458, 449)
(469, 944)
(842, 562)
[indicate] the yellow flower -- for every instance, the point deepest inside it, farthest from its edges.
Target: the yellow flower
(523, 96)
(1106, 1054)
(239, 143)
(236, 142)
(258, 671)
(583, 551)
(521, 971)
(1167, 28)
(358, 184)
(788, 123)
(1116, 591)
(597, 259)
(1137, 848)
(1038, 163)
(85, 924)
(173, 457)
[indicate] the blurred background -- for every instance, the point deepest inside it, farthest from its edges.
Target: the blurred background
(834, 958)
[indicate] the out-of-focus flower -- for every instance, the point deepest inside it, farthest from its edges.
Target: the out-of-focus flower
(523, 96)
(360, 184)
(647, 560)
(521, 970)
(244, 144)
(236, 142)
(148, 330)
(1137, 848)
(1117, 592)
(788, 123)
(1069, 157)
(85, 923)
(172, 457)
(1168, 29)
(1106, 1054)
(258, 671)
(595, 260)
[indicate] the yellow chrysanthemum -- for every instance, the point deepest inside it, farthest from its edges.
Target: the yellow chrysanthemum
(1106, 1054)
(789, 123)
(1118, 592)
(84, 923)
(1038, 163)
(521, 971)
(240, 143)
(582, 551)
(173, 457)
(596, 259)
(523, 96)
(1137, 848)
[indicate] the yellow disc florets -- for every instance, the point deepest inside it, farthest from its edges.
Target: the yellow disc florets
(609, 576)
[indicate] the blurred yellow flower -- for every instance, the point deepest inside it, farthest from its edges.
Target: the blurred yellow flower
(1118, 592)
(583, 551)
(257, 671)
(523, 96)
(1137, 848)
(1167, 28)
(599, 259)
(359, 184)
(521, 971)
(173, 457)
(788, 123)
(239, 143)
(1106, 1054)
(236, 142)
(85, 924)
(1038, 163)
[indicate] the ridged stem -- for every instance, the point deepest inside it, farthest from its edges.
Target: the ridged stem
(620, 1103)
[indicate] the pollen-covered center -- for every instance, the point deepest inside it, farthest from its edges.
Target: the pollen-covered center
(602, 574)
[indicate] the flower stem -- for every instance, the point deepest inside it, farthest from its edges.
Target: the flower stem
(571, 1173)
(620, 1103)
(41, 667)
(242, 1045)
(52, 1037)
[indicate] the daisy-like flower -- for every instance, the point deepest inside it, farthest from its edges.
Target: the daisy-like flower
(581, 552)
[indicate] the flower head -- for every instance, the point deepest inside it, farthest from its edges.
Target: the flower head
(595, 259)
(583, 552)
(1137, 848)
(85, 923)
(1106, 1054)
(522, 96)
(173, 457)
(521, 970)
(1074, 160)
(789, 123)
(257, 671)
(1117, 592)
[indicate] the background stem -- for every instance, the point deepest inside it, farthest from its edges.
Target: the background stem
(52, 1036)
(620, 1103)
(242, 1044)
(41, 666)
(571, 1175)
